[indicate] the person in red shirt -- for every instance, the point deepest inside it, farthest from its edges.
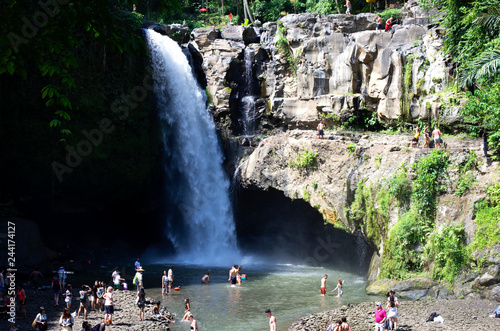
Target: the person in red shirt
(380, 317)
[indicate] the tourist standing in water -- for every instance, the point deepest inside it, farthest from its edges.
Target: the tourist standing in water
(232, 274)
(187, 309)
(194, 324)
(170, 277)
(206, 279)
(164, 283)
(323, 285)
(272, 320)
(339, 287)
(238, 275)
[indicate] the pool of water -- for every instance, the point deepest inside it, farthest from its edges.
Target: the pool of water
(290, 291)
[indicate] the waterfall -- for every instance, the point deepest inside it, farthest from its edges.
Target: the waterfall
(200, 218)
(248, 102)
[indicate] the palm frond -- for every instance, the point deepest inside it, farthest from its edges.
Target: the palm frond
(486, 66)
(490, 20)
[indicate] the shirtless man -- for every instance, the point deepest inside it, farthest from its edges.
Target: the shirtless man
(272, 320)
(34, 278)
(323, 285)
(321, 127)
(232, 274)
(378, 28)
(436, 135)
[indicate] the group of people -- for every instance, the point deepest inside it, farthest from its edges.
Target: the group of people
(338, 288)
(388, 317)
(435, 135)
(388, 24)
(235, 275)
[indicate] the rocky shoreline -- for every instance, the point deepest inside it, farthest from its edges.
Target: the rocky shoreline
(458, 314)
(126, 316)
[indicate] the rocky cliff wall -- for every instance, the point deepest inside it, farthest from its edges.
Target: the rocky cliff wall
(310, 66)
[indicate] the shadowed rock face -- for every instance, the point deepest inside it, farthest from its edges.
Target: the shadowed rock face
(277, 228)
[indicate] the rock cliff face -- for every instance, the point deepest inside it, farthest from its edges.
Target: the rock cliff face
(344, 160)
(311, 66)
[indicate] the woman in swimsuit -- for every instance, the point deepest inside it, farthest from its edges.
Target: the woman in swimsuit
(194, 324)
(339, 287)
(187, 309)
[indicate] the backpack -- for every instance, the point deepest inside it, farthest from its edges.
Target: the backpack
(135, 280)
(432, 316)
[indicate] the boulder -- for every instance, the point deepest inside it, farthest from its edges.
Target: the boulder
(382, 286)
(414, 288)
(495, 293)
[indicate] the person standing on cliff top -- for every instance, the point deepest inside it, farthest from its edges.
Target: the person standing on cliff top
(321, 127)
(272, 320)
(417, 135)
(379, 24)
(436, 134)
(348, 5)
(323, 285)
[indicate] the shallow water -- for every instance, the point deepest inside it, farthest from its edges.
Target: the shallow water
(290, 291)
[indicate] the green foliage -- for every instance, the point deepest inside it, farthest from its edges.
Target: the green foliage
(55, 49)
(400, 186)
(446, 253)
(378, 161)
(483, 108)
(427, 185)
(403, 257)
(391, 12)
(370, 211)
(487, 220)
(403, 254)
(307, 160)
(466, 174)
(351, 148)
(407, 82)
(315, 185)
(306, 194)
(284, 47)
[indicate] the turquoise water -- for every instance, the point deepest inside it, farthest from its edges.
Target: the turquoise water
(290, 291)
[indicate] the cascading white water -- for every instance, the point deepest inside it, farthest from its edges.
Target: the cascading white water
(201, 187)
(248, 101)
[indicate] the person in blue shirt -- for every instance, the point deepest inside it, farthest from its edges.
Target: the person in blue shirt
(137, 264)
